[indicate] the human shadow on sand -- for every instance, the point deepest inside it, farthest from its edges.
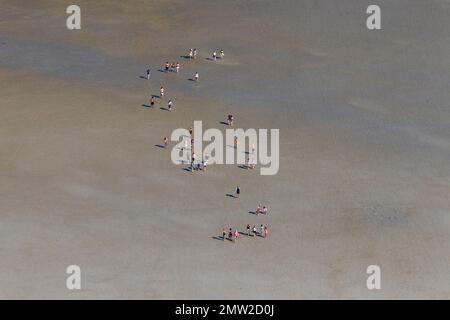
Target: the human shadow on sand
(164, 109)
(219, 238)
(160, 146)
(223, 122)
(147, 106)
(231, 195)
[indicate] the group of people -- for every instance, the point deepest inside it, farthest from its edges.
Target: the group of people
(221, 55)
(161, 96)
(175, 67)
(261, 209)
(172, 67)
(262, 231)
(232, 235)
(192, 53)
(201, 165)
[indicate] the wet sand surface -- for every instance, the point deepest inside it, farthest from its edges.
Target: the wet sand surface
(364, 178)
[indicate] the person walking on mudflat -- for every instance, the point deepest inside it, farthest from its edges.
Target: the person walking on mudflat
(169, 105)
(165, 142)
(238, 192)
(248, 230)
(266, 231)
(230, 120)
(148, 74)
(152, 102)
(196, 77)
(161, 92)
(224, 234)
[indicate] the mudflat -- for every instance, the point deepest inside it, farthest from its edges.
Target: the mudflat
(364, 177)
